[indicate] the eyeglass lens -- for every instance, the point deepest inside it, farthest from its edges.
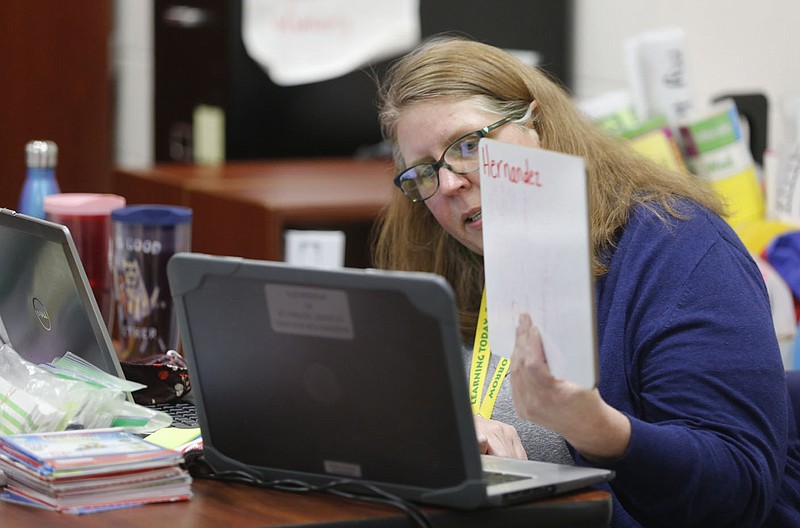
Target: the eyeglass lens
(422, 181)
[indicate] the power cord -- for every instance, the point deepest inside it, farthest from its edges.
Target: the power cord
(197, 466)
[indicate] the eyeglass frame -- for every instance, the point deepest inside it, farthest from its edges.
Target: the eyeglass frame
(441, 162)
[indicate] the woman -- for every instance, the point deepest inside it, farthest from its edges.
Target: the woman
(691, 410)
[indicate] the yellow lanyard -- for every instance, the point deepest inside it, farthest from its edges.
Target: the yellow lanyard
(484, 405)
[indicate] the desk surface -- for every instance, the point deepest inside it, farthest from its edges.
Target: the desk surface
(217, 504)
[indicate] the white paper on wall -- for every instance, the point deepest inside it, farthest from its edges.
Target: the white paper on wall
(319, 249)
(306, 41)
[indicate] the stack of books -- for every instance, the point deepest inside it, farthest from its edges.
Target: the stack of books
(90, 470)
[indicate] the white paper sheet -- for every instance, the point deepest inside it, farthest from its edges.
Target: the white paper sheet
(318, 249)
(537, 254)
(306, 41)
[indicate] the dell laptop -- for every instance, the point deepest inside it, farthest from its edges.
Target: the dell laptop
(46, 305)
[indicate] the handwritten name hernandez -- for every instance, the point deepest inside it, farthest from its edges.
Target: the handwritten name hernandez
(498, 168)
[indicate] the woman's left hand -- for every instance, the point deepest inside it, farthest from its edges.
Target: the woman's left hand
(498, 438)
(594, 428)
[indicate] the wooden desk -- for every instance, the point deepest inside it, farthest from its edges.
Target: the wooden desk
(243, 208)
(217, 504)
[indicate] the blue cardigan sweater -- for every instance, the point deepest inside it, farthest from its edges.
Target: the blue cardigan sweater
(688, 351)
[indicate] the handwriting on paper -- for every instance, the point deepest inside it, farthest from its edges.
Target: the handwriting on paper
(514, 173)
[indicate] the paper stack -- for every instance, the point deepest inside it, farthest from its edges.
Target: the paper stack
(90, 470)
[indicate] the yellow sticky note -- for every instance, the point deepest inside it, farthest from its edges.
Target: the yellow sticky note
(173, 437)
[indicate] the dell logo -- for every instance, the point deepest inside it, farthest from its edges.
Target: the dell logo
(41, 314)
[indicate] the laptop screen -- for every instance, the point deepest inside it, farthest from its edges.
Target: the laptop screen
(46, 306)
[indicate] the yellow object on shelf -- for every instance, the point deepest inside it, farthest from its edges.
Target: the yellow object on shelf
(757, 235)
(716, 151)
(654, 140)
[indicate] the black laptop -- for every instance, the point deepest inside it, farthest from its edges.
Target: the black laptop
(320, 375)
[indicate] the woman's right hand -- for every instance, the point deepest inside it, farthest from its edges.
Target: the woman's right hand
(580, 415)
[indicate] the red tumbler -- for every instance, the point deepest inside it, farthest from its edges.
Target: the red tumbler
(87, 216)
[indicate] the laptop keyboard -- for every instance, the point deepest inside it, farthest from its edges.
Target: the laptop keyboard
(493, 477)
(184, 414)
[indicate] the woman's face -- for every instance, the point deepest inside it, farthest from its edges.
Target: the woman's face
(424, 131)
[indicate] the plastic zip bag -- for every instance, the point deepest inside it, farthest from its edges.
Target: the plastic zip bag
(67, 394)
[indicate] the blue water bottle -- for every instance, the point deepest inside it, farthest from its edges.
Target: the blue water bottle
(40, 159)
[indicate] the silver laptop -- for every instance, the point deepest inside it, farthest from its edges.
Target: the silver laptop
(320, 375)
(46, 305)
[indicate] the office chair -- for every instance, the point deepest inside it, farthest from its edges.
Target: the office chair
(793, 383)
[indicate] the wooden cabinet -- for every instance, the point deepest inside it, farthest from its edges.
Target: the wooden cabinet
(243, 208)
(56, 84)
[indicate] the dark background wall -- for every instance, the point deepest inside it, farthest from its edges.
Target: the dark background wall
(57, 83)
(207, 64)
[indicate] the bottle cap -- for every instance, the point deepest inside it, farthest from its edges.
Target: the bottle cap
(41, 154)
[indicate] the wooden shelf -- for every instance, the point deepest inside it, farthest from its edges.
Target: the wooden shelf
(242, 208)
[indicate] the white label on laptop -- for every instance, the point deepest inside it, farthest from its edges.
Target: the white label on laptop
(537, 254)
(344, 469)
(301, 310)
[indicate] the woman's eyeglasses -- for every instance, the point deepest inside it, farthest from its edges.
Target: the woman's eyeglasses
(421, 181)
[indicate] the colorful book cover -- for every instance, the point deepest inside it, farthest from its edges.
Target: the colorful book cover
(90, 470)
(64, 452)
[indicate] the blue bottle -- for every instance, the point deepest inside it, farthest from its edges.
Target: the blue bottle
(41, 158)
